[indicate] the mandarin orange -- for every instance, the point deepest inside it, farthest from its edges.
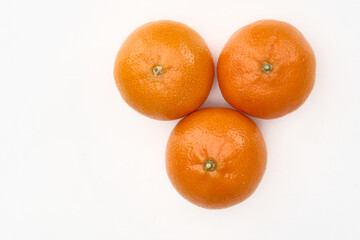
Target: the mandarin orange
(266, 69)
(164, 70)
(216, 157)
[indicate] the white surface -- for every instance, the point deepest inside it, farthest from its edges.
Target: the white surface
(77, 163)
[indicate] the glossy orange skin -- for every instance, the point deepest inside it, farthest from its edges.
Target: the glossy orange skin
(232, 141)
(187, 70)
(260, 94)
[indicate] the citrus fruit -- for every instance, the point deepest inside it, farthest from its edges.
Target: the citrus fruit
(164, 70)
(266, 69)
(216, 157)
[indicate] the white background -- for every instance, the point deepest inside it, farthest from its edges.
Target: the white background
(77, 163)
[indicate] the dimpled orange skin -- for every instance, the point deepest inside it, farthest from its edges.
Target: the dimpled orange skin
(186, 76)
(266, 95)
(228, 138)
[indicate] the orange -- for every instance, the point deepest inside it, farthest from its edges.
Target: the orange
(266, 69)
(216, 157)
(164, 70)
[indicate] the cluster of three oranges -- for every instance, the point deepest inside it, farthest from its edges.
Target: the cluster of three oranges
(215, 157)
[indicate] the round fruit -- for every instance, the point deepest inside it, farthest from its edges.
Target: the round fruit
(164, 70)
(266, 69)
(216, 157)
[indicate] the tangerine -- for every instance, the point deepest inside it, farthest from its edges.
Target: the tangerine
(266, 69)
(216, 157)
(164, 70)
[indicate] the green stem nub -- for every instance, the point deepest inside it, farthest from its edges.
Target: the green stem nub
(157, 70)
(266, 67)
(209, 165)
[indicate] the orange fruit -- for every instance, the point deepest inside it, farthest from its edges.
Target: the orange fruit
(164, 70)
(216, 157)
(266, 69)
